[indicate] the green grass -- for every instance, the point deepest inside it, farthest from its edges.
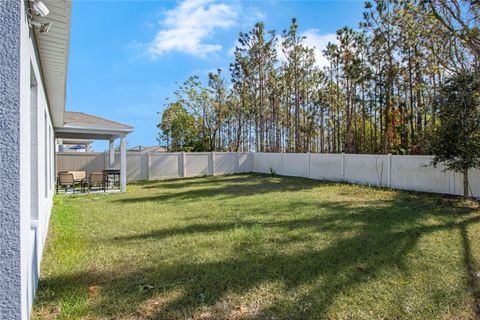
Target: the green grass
(252, 246)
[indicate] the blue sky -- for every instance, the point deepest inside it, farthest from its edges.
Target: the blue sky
(127, 56)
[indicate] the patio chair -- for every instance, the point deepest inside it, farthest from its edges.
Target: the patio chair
(65, 180)
(97, 179)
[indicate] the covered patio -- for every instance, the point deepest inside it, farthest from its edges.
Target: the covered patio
(82, 126)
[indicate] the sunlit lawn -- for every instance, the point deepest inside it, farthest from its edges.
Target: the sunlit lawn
(252, 246)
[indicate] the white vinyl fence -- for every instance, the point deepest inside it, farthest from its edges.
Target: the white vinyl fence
(399, 172)
(160, 165)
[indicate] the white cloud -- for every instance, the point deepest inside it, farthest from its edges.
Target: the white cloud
(315, 40)
(186, 27)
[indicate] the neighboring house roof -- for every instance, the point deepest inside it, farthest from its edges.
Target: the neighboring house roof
(53, 49)
(141, 148)
(80, 125)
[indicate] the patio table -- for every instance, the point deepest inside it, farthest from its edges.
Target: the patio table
(79, 177)
(114, 174)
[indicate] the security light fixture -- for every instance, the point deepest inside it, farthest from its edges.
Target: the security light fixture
(40, 9)
(42, 27)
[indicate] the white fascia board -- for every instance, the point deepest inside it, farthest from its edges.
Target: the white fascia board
(93, 129)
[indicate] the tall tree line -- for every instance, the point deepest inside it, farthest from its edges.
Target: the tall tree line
(378, 92)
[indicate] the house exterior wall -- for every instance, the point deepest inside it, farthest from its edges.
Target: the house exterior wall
(26, 162)
(10, 254)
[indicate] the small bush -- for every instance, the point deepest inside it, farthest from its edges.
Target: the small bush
(273, 172)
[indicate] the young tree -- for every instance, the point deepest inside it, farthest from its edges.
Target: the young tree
(179, 129)
(216, 109)
(457, 139)
(194, 97)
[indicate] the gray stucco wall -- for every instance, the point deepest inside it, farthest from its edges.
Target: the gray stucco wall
(10, 255)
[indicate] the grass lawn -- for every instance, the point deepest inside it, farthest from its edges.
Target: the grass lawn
(253, 246)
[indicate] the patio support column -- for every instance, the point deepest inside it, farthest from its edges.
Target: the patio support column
(123, 164)
(111, 155)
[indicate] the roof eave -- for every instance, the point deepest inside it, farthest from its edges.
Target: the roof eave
(96, 128)
(47, 43)
(94, 131)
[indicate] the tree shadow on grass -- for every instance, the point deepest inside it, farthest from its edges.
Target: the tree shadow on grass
(381, 237)
(473, 272)
(194, 181)
(187, 182)
(226, 187)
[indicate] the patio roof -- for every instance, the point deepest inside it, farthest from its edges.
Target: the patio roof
(79, 125)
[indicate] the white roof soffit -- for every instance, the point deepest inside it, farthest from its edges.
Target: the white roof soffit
(53, 48)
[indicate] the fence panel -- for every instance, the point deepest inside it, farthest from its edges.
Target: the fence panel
(137, 166)
(226, 162)
(295, 164)
(197, 164)
(165, 165)
(245, 162)
(88, 162)
(415, 173)
(263, 162)
(256, 161)
(326, 166)
(367, 169)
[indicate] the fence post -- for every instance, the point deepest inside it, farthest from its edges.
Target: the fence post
(282, 164)
(343, 166)
(389, 176)
(149, 163)
(211, 163)
(184, 164)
